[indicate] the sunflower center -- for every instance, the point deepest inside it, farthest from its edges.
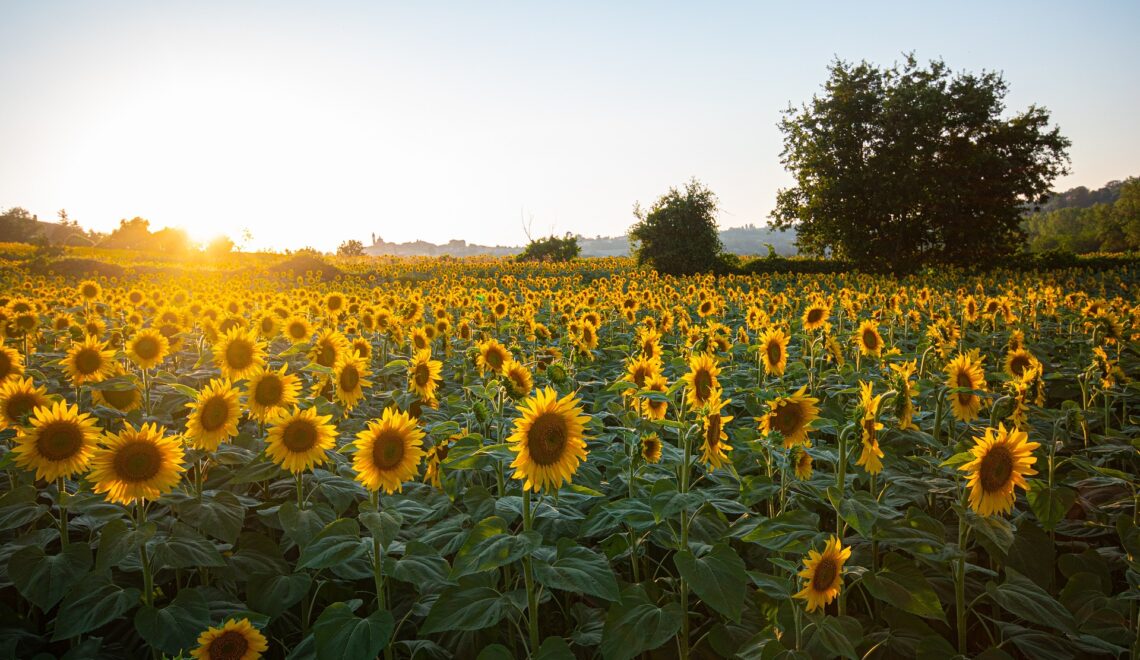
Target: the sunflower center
(349, 378)
(788, 419)
(88, 361)
(823, 577)
(59, 440)
(230, 645)
(5, 365)
(420, 341)
(870, 339)
(702, 384)
(996, 468)
(239, 355)
(137, 461)
(1019, 364)
(388, 449)
(297, 330)
(639, 376)
(269, 391)
(814, 315)
(422, 375)
(713, 434)
(964, 380)
(146, 348)
(327, 355)
(547, 438)
(18, 405)
(299, 436)
(495, 359)
(775, 352)
(267, 324)
(215, 413)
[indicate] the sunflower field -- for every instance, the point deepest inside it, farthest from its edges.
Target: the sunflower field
(485, 459)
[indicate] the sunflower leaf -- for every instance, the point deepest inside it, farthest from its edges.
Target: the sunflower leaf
(901, 584)
(175, 627)
(44, 579)
(337, 543)
(466, 608)
(718, 578)
(578, 570)
(636, 624)
(90, 604)
(339, 633)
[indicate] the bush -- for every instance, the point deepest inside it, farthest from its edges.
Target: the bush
(551, 248)
(678, 235)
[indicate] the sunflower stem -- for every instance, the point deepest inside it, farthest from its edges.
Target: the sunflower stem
(960, 581)
(300, 490)
(685, 545)
(378, 572)
(531, 594)
(61, 486)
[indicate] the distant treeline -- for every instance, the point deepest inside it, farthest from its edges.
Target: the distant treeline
(1082, 220)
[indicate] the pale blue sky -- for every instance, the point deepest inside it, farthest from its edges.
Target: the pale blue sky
(311, 123)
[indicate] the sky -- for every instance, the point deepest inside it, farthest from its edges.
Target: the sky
(308, 124)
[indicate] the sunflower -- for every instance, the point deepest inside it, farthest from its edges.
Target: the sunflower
(1018, 361)
(492, 355)
(868, 414)
(965, 371)
(518, 378)
(11, 364)
(89, 290)
(235, 640)
(1002, 460)
(651, 448)
(586, 337)
(790, 416)
(59, 443)
(419, 339)
(214, 416)
(801, 462)
(328, 347)
(298, 330)
(18, 398)
(298, 440)
(388, 451)
(148, 348)
(137, 464)
(868, 339)
(433, 472)
(638, 371)
(714, 446)
(548, 439)
(649, 343)
(774, 351)
(424, 375)
(815, 316)
(904, 403)
(122, 400)
(824, 574)
(89, 361)
(651, 409)
(351, 377)
(701, 379)
(239, 353)
(269, 391)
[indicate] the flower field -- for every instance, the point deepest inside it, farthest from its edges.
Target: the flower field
(486, 459)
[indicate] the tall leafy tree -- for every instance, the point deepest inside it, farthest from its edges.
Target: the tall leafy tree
(908, 165)
(678, 234)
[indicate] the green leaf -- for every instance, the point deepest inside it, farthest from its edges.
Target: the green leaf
(903, 585)
(301, 525)
(117, 541)
(495, 652)
(18, 507)
(184, 548)
(44, 579)
(718, 578)
(337, 543)
(422, 566)
(466, 608)
(488, 546)
(92, 603)
(578, 570)
(176, 626)
(384, 525)
(219, 515)
(1022, 597)
(635, 625)
(790, 531)
(554, 648)
(859, 510)
(1049, 504)
(995, 529)
(273, 594)
(340, 634)
(837, 635)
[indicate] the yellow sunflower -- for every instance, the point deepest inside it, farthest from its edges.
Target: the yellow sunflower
(1002, 460)
(351, 377)
(790, 416)
(59, 443)
(89, 290)
(702, 379)
(234, 640)
(1018, 361)
(424, 375)
(774, 351)
(651, 448)
(655, 410)
(137, 464)
(904, 402)
(714, 446)
(18, 398)
(214, 416)
(638, 371)
(870, 458)
(148, 348)
(868, 339)
(239, 353)
(269, 391)
(298, 440)
(518, 378)
(824, 574)
(649, 342)
(492, 355)
(122, 400)
(11, 364)
(388, 451)
(89, 361)
(815, 316)
(801, 461)
(433, 472)
(966, 372)
(548, 439)
(298, 330)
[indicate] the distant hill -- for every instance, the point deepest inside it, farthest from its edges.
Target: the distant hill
(1081, 197)
(746, 241)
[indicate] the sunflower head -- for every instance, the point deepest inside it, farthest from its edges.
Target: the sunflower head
(18, 398)
(89, 361)
(11, 364)
(651, 448)
(965, 371)
(868, 339)
(298, 440)
(774, 351)
(59, 443)
(1002, 460)
(239, 353)
(791, 417)
(137, 464)
(823, 573)
(147, 348)
(234, 640)
(701, 379)
(548, 439)
(269, 391)
(518, 378)
(491, 357)
(388, 451)
(815, 316)
(424, 375)
(714, 446)
(350, 374)
(214, 416)
(801, 461)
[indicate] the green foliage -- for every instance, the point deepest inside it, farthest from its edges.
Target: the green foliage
(350, 248)
(678, 235)
(551, 248)
(1100, 227)
(903, 166)
(19, 226)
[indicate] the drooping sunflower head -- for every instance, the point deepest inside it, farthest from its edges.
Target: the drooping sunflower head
(59, 443)
(298, 440)
(701, 379)
(492, 355)
(774, 351)
(351, 377)
(11, 364)
(122, 399)
(965, 371)
(234, 640)
(651, 408)
(791, 417)
(518, 378)
(801, 460)
(147, 348)
(89, 361)
(239, 353)
(18, 398)
(639, 370)
(137, 464)
(269, 391)
(214, 416)
(1002, 460)
(388, 451)
(424, 375)
(824, 574)
(868, 339)
(1018, 361)
(651, 448)
(548, 438)
(714, 446)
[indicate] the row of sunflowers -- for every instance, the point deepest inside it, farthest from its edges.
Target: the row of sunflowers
(438, 459)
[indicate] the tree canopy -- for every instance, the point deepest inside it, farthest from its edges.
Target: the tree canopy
(678, 235)
(551, 248)
(908, 165)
